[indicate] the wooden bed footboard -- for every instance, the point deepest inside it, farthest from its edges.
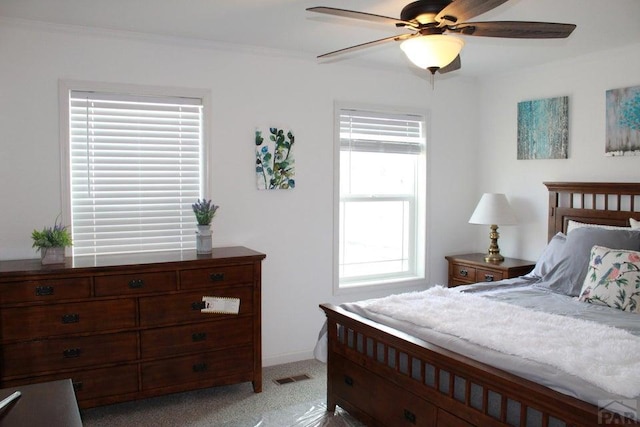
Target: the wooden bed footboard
(385, 377)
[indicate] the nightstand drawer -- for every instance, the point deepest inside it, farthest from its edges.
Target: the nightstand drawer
(468, 269)
(464, 272)
(488, 275)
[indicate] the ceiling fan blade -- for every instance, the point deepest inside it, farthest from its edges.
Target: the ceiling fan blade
(362, 16)
(463, 10)
(516, 29)
(453, 65)
(368, 44)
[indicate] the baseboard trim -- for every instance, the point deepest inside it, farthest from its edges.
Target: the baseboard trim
(287, 358)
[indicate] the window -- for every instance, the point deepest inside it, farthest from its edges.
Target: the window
(134, 166)
(381, 207)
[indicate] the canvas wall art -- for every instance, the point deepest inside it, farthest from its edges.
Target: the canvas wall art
(543, 128)
(275, 164)
(623, 122)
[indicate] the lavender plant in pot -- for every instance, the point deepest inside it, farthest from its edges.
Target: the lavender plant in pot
(51, 242)
(204, 211)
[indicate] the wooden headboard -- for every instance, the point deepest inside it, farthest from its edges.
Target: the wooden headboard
(611, 203)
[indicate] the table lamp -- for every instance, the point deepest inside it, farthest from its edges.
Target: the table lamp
(493, 209)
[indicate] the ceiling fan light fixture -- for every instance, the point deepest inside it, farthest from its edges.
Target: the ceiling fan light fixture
(432, 51)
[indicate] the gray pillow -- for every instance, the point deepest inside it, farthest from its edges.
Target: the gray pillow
(551, 255)
(567, 276)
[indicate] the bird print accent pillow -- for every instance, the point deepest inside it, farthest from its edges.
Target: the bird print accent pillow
(613, 279)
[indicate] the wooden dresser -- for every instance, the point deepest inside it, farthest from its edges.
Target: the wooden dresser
(130, 327)
(472, 268)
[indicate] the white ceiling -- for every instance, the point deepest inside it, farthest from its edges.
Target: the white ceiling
(285, 26)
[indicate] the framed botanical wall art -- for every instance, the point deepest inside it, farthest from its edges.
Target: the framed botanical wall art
(275, 164)
(543, 128)
(623, 122)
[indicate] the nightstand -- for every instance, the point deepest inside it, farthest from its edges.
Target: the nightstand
(472, 268)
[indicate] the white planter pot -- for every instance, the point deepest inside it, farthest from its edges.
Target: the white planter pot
(204, 240)
(54, 255)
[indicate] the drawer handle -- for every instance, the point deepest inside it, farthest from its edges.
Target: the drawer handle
(464, 273)
(200, 367)
(348, 380)
(216, 277)
(488, 277)
(409, 416)
(43, 291)
(136, 283)
(77, 386)
(198, 336)
(71, 318)
(71, 353)
(198, 305)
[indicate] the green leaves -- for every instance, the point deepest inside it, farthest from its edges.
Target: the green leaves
(204, 211)
(49, 237)
(275, 170)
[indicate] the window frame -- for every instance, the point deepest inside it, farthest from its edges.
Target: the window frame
(422, 248)
(65, 87)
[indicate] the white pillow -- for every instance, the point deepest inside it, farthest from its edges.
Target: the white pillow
(572, 225)
(635, 224)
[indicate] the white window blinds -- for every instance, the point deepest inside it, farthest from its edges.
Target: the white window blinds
(135, 170)
(385, 133)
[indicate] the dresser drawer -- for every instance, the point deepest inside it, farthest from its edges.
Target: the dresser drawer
(93, 383)
(464, 272)
(180, 308)
(488, 275)
(223, 275)
(68, 353)
(210, 366)
(135, 283)
(198, 337)
(45, 290)
(61, 319)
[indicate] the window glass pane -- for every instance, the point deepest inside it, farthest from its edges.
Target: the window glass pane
(375, 239)
(377, 173)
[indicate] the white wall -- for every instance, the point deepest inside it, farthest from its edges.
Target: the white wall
(585, 80)
(294, 228)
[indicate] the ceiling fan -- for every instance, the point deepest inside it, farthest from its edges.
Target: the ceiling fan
(430, 45)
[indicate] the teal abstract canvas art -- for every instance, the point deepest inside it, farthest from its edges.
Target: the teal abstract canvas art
(543, 128)
(623, 122)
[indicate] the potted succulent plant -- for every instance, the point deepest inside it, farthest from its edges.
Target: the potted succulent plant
(204, 211)
(51, 242)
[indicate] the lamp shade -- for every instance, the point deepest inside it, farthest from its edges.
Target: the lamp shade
(493, 208)
(435, 50)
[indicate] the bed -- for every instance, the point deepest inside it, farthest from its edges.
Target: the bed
(389, 376)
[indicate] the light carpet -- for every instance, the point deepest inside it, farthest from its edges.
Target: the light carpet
(300, 404)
